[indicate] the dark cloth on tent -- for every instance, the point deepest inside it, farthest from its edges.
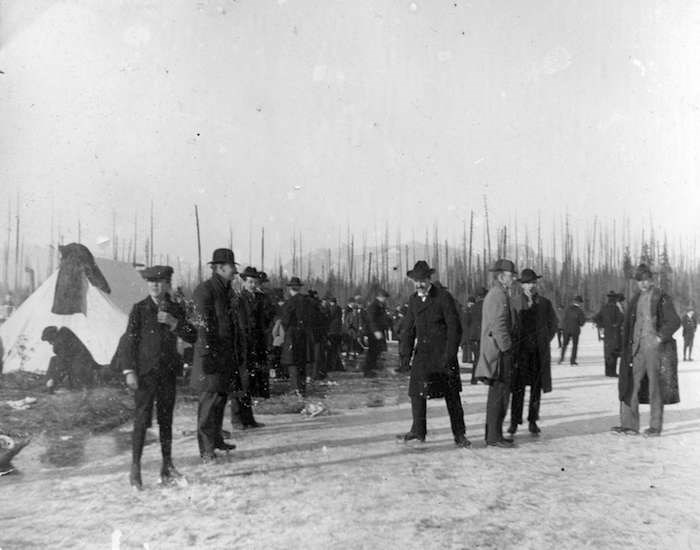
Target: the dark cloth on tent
(70, 295)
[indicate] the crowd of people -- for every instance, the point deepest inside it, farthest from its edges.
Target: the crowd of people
(240, 338)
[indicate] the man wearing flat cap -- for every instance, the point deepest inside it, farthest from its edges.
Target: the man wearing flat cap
(432, 334)
(648, 348)
(537, 326)
(216, 352)
(151, 364)
(610, 319)
(498, 351)
(375, 331)
(574, 319)
(297, 347)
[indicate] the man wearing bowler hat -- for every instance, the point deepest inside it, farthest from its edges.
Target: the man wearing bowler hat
(250, 354)
(215, 353)
(537, 326)
(375, 331)
(611, 318)
(151, 364)
(647, 346)
(497, 351)
(296, 350)
(432, 333)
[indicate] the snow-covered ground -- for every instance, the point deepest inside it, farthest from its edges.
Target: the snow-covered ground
(342, 481)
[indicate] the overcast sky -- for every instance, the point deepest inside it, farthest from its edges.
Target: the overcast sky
(316, 114)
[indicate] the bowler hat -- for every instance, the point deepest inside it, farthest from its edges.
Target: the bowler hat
(503, 265)
(643, 271)
(223, 256)
(295, 282)
(157, 273)
(528, 275)
(420, 271)
(612, 294)
(250, 272)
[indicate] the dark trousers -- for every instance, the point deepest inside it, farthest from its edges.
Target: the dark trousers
(574, 347)
(158, 387)
(373, 352)
(319, 365)
(210, 420)
(242, 411)
(528, 373)
(688, 346)
(476, 348)
(334, 361)
(611, 356)
(497, 400)
(454, 408)
(297, 378)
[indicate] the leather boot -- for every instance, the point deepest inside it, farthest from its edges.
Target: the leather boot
(168, 472)
(135, 477)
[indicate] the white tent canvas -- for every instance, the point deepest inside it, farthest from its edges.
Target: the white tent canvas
(99, 330)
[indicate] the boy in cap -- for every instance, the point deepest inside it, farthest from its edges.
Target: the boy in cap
(152, 361)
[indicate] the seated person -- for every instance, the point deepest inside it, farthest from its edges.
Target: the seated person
(72, 363)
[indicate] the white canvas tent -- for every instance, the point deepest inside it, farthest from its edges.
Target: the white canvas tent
(99, 330)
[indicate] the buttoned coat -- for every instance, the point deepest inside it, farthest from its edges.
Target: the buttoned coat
(498, 322)
(546, 325)
(433, 331)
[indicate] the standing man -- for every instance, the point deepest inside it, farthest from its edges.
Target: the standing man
(467, 352)
(215, 353)
(295, 351)
(497, 351)
(433, 331)
(537, 326)
(573, 320)
(335, 334)
(251, 339)
(690, 325)
(650, 323)
(151, 364)
(375, 330)
(475, 330)
(611, 319)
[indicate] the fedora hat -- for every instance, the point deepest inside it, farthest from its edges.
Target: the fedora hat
(223, 256)
(528, 275)
(643, 271)
(250, 272)
(503, 265)
(420, 271)
(612, 294)
(295, 282)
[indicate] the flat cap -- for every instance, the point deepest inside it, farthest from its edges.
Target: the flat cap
(157, 273)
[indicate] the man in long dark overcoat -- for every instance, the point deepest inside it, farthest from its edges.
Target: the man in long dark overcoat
(573, 320)
(375, 331)
(433, 333)
(151, 363)
(537, 326)
(297, 347)
(215, 353)
(611, 319)
(648, 344)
